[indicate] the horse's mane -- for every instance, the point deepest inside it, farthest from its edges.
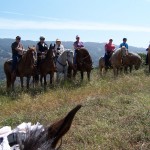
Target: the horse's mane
(35, 140)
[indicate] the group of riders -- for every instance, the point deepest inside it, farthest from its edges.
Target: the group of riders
(41, 50)
(110, 48)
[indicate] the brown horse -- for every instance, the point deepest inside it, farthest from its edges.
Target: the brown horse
(132, 59)
(84, 63)
(117, 59)
(49, 138)
(25, 68)
(47, 66)
(149, 59)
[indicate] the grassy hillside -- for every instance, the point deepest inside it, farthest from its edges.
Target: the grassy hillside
(115, 116)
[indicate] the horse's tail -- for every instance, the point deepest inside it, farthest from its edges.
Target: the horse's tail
(7, 70)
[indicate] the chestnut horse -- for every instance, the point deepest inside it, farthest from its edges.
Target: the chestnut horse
(117, 59)
(47, 138)
(25, 68)
(84, 63)
(47, 66)
(132, 59)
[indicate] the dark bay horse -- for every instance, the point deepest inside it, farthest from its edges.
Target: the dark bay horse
(84, 63)
(25, 68)
(47, 66)
(117, 59)
(47, 138)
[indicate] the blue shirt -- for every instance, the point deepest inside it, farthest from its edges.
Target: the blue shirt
(124, 44)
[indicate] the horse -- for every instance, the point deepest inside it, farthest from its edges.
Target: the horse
(102, 65)
(132, 59)
(117, 59)
(47, 66)
(63, 61)
(149, 58)
(25, 68)
(46, 138)
(84, 63)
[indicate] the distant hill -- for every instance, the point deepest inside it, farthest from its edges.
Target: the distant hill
(96, 50)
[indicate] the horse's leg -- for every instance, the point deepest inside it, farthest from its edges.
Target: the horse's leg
(88, 75)
(65, 73)
(74, 73)
(28, 80)
(131, 68)
(117, 71)
(100, 70)
(45, 83)
(8, 81)
(114, 70)
(21, 79)
(41, 77)
(81, 75)
(51, 77)
(57, 77)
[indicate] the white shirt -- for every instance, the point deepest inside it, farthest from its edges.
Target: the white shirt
(59, 49)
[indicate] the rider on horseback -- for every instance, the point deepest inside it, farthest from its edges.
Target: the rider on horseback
(109, 49)
(77, 45)
(41, 49)
(17, 51)
(59, 49)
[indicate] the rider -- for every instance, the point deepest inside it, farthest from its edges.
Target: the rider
(17, 51)
(124, 43)
(109, 49)
(41, 49)
(59, 49)
(77, 45)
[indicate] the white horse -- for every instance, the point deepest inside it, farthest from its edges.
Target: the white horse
(62, 63)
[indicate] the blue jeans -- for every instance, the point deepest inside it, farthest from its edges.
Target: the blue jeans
(15, 58)
(107, 61)
(74, 59)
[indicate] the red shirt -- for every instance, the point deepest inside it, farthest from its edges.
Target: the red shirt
(109, 47)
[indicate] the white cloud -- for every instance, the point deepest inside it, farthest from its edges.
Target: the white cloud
(66, 25)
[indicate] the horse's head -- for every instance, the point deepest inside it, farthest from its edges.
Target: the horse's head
(50, 51)
(48, 139)
(138, 63)
(124, 51)
(29, 54)
(69, 57)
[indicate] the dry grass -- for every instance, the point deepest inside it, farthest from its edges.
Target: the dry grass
(115, 115)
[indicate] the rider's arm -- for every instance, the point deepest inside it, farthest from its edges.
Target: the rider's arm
(106, 48)
(37, 49)
(62, 49)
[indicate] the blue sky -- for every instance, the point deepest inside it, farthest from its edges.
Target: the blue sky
(92, 20)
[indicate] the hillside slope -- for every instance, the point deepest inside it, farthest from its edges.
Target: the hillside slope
(115, 113)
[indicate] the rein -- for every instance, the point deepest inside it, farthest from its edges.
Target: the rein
(61, 63)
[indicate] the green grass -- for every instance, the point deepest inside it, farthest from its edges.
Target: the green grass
(115, 113)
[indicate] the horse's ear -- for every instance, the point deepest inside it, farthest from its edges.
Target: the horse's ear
(29, 47)
(61, 127)
(50, 45)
